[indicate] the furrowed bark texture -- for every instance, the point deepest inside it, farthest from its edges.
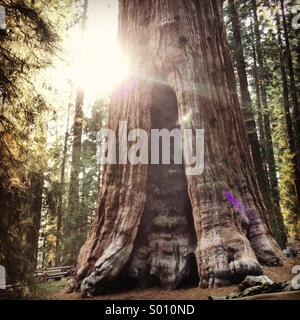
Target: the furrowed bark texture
(182, 44)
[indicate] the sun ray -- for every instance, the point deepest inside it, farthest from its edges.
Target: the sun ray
(96, 61)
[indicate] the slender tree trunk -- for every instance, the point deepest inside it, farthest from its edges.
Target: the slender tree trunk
(295, 190)
(277, 227)
(246, 105)
(36, 188)
(258, 102)
(44, 252)
(182, 43)
(32, 238)
(270, 157)
(296, 109)
(60, 196)
(74, 198)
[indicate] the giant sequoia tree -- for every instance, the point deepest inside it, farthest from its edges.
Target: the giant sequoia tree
(155, 223)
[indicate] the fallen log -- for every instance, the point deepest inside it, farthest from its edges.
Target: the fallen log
(291, 295)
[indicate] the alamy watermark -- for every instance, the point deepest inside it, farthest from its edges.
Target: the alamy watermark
(296, 279)
(2, 18)
(137, 147)
(295, 10)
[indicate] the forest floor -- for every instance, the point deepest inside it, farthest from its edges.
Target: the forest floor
(280, 274)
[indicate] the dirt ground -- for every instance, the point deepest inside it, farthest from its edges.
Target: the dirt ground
(280, 274)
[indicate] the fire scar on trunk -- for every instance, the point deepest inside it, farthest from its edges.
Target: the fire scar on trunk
(164, 250)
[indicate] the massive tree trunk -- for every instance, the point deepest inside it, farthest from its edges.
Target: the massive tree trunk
(146, 227)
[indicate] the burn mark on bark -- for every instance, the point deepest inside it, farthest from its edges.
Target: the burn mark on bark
(183, 40)
(213, 122)
(177, 17)
(166, 240)
(145, 22)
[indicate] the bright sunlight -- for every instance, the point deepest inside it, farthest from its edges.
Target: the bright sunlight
(95, 62)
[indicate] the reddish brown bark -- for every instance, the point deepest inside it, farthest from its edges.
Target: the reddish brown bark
(182, 43)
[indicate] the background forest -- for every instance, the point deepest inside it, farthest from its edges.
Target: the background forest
(49, 174)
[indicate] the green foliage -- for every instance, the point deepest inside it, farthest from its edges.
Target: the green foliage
(89, 184)
(44, 290)
(27, 46)
(288, 202)
(271, 72)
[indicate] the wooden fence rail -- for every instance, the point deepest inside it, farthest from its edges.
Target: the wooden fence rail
(53, 273)
(43, 275)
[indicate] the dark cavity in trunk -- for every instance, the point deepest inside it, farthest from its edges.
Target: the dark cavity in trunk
(166, 241)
